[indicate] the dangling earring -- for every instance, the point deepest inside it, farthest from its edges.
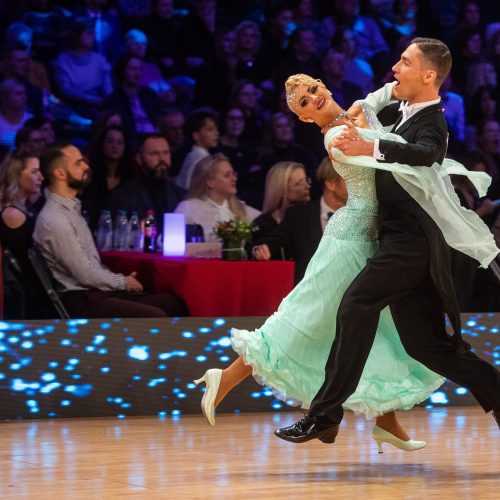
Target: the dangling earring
(329, 92)
(310, 120)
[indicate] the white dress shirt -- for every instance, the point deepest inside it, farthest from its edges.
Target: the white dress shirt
(325, 213)
(207, 214)
(408, 110)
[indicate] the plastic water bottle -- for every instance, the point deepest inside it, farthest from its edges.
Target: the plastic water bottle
(105, 232)
(135, 235)
(150, 232)
(120, 235)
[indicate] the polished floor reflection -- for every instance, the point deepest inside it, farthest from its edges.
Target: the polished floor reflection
(240, 458)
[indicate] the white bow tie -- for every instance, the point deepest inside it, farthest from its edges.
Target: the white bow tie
(403, 107)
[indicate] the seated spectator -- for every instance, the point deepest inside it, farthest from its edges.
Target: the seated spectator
(278, 144)
(201, 128)
(48, 23)
(150, 190)
(468, 51)
(212, 196)
(112, 166)
(298, 235)
(15, 65)
(20, 184)
(241, 157)
(250, 63)
(45, 125)
(82, 75)
(286, 186)
(480, 74)
(139, 107)
(88, 288)
(344, 92)
(13, 112)
(357, 70)
(106, 25)
(170, 125)
(20, 35)
(136, 44)
(30, 138)
(488, 142)
(493, 50)
(481, 107)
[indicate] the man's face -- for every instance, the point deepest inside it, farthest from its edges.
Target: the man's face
(154, 158)
(283, 130)
(133, 72)
(171, 128)
(77, 170)
(410, 72)
(208, 135)
(490, 138)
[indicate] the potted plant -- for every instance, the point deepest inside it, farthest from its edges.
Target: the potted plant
(234, 234)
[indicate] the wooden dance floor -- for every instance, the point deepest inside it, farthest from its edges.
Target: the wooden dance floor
(240, 458)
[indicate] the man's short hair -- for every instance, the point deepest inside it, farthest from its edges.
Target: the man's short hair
(51, 158)
(196, 120)
(326, 172)
(152, 135)
(436, 54)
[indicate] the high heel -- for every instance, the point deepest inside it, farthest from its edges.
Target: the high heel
(212, 380)
(382, 436)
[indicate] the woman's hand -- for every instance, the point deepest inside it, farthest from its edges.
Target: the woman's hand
(358, 117)
(351, 143)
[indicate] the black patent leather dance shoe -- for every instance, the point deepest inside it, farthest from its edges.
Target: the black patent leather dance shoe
(308, 428)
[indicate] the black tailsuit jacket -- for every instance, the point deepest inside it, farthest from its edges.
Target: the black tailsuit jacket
(427, 136)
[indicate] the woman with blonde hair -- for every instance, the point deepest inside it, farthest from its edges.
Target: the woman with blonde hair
(20, 187)
(286, 185)
(212, 196)
(289, 352)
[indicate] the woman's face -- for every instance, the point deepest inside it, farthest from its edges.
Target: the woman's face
(471, 14)
(113, 146)
(474, 45)
(30, 180)
(314, 103)
(248, 39)
(487, 104)
(490, 138)
(133, 71)
(247, 97)
(283, 129)
(299, 187)
(235, 122)
(224, 181)
(228, 43)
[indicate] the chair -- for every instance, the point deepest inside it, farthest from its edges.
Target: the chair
(45, 276)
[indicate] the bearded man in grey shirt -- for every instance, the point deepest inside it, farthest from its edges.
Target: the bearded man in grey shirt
(89, 289)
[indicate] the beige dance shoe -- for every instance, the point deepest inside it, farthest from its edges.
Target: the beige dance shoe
(382, 436)
(212, 380)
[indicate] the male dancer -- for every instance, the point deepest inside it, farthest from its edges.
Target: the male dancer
(411, 271)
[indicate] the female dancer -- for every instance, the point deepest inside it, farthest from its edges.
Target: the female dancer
(288, 353)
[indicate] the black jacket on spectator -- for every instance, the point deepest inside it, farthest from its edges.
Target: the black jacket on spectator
(143, 194)
(297, 236)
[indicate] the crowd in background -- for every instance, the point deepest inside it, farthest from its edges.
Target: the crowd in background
(180, 106)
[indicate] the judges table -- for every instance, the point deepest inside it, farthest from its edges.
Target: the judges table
(210, 287)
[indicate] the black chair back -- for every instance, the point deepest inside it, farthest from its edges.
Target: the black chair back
(45, 276)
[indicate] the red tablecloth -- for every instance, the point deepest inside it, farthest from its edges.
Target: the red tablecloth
(211, 287)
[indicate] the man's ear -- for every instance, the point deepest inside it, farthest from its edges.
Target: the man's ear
(59, 173)
(430, 76)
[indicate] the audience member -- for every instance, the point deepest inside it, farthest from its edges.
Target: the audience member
(344, 92)
(201, 128)
(454, 113)
(82, 75)
(111, 164)
(467, 53)
(297, 237)
(20, 184)
(171, 124)
(13, 111)
(286, 186)
(89, 289)
(45, 125)
(47, 22)
(150, 189)
(480, 74)
(212, 196)
(250, 62)
(242, 158)
(357, 70)
(30, 138)
(139, 107)
(482, 106)
(106, 26)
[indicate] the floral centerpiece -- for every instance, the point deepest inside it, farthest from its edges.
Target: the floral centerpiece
(234, 234)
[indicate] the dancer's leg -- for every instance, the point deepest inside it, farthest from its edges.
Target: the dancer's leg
(235, 373)
(389, 422)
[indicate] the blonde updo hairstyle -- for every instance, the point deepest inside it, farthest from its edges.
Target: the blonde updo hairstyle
(291, 85)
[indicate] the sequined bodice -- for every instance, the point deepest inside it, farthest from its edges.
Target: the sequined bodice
(358, 219)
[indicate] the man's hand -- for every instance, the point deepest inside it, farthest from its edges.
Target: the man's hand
(132, 284)
(351, 143)
(261, 252)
